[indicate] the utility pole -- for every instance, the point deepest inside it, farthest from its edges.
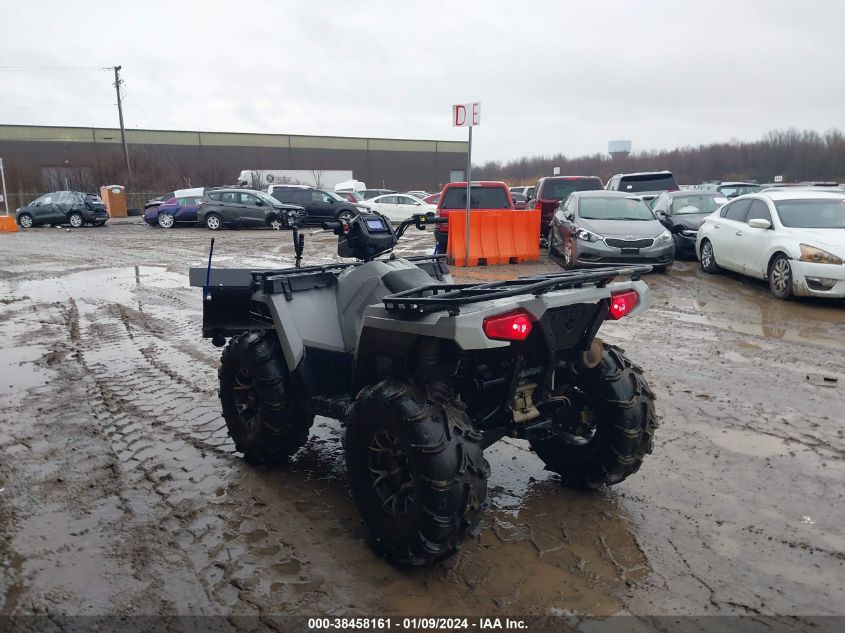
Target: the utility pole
(5, 196)
(117, 83)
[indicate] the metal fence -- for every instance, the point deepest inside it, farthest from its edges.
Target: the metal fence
(134, 199)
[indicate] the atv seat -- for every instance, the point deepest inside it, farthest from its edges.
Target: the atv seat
(406, 279)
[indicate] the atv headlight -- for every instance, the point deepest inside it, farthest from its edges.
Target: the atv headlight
(817, 255)
(587, 236)
(663, 238)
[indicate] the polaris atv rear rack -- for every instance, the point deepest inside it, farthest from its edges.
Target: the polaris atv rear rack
(434, 297)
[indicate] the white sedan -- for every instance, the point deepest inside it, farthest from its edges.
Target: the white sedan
(794, 239)
(397, 207)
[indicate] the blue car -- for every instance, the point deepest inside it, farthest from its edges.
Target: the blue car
(167, 214)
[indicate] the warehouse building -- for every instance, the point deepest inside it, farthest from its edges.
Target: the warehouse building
(69, 157)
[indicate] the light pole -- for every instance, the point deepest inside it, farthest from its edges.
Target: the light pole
(3, 177)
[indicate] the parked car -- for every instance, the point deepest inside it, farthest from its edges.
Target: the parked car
(159, 200)
(319, 205)
(484, 195)
(173, 211)
(731, 189)
(682, 212)
(643, 182)
(417, 194)
(351, 196)
(372, 193)
(519, 200)
(525, 190)
(432, 199)
(63, 207)
(594, 228)
(553, 190)
(248, 208)
(793, 239)
(398, 207)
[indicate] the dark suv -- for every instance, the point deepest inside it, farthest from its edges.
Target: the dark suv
(234, 207)
(63, 207)
(319, 205)
(553, 190)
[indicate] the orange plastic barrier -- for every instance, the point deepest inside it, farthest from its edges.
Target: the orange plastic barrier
(8, 224)
(495, 237)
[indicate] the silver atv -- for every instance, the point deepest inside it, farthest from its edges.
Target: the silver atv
(425, 374)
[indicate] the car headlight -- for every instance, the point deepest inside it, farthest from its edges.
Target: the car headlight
(663, 238)
(587, 236)
(817, 255)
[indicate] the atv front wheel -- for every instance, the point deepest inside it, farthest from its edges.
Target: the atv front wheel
(604, 428)
(266, 413)
(416, 469)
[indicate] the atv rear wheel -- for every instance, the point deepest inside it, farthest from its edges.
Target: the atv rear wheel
(605, 429)
(266, 413)
(416, 469)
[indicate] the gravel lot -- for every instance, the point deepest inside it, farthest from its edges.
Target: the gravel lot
(120, 492)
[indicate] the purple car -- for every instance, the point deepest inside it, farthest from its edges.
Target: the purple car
(172, 211)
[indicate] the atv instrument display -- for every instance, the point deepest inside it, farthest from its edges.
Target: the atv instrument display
(425, 374)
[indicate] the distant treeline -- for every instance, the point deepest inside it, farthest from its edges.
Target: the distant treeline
(795, 155)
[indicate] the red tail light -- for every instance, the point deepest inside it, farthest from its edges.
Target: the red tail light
(538, 206)
(622, 303)
(513, 326)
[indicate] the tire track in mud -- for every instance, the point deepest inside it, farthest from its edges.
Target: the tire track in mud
(162, 430)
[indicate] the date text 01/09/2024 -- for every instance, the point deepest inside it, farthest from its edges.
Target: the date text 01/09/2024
(412, 624)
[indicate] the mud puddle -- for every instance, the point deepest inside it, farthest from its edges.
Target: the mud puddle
(769, 319)
(116, 285)
(19, 370)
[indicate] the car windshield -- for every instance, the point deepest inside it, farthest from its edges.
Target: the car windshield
(648, 182)
(732, 191)
(691, 205)
(823, 213)
(481, 198)
(614, 209)
(560, 189)
(266, 197)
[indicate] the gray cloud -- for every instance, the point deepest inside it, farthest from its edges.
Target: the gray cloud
(551, 76)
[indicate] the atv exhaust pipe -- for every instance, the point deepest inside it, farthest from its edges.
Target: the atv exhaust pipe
(592, 357)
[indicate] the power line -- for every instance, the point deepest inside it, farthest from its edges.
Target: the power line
(56, 107)
(59, 68)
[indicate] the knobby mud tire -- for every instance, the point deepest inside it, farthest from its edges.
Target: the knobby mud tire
(278, 423)
(623, 406)
(446, 481)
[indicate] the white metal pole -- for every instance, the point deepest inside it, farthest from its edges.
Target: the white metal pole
(5, 195)
(469, 192)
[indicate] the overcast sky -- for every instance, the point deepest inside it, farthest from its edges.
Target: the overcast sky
(551, 77)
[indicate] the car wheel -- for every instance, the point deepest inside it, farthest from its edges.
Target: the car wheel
(25, 221)
(345, 216)
(166, 220)
(708, 258)
(550, 242)
(75, 220)
(780, 277)
(567, 255)
(212, 222)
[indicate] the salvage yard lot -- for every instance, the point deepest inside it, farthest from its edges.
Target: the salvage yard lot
(120, 492)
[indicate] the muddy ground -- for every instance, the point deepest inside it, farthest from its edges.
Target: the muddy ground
(120, 492)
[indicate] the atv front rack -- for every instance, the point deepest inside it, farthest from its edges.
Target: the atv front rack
(435, 297)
